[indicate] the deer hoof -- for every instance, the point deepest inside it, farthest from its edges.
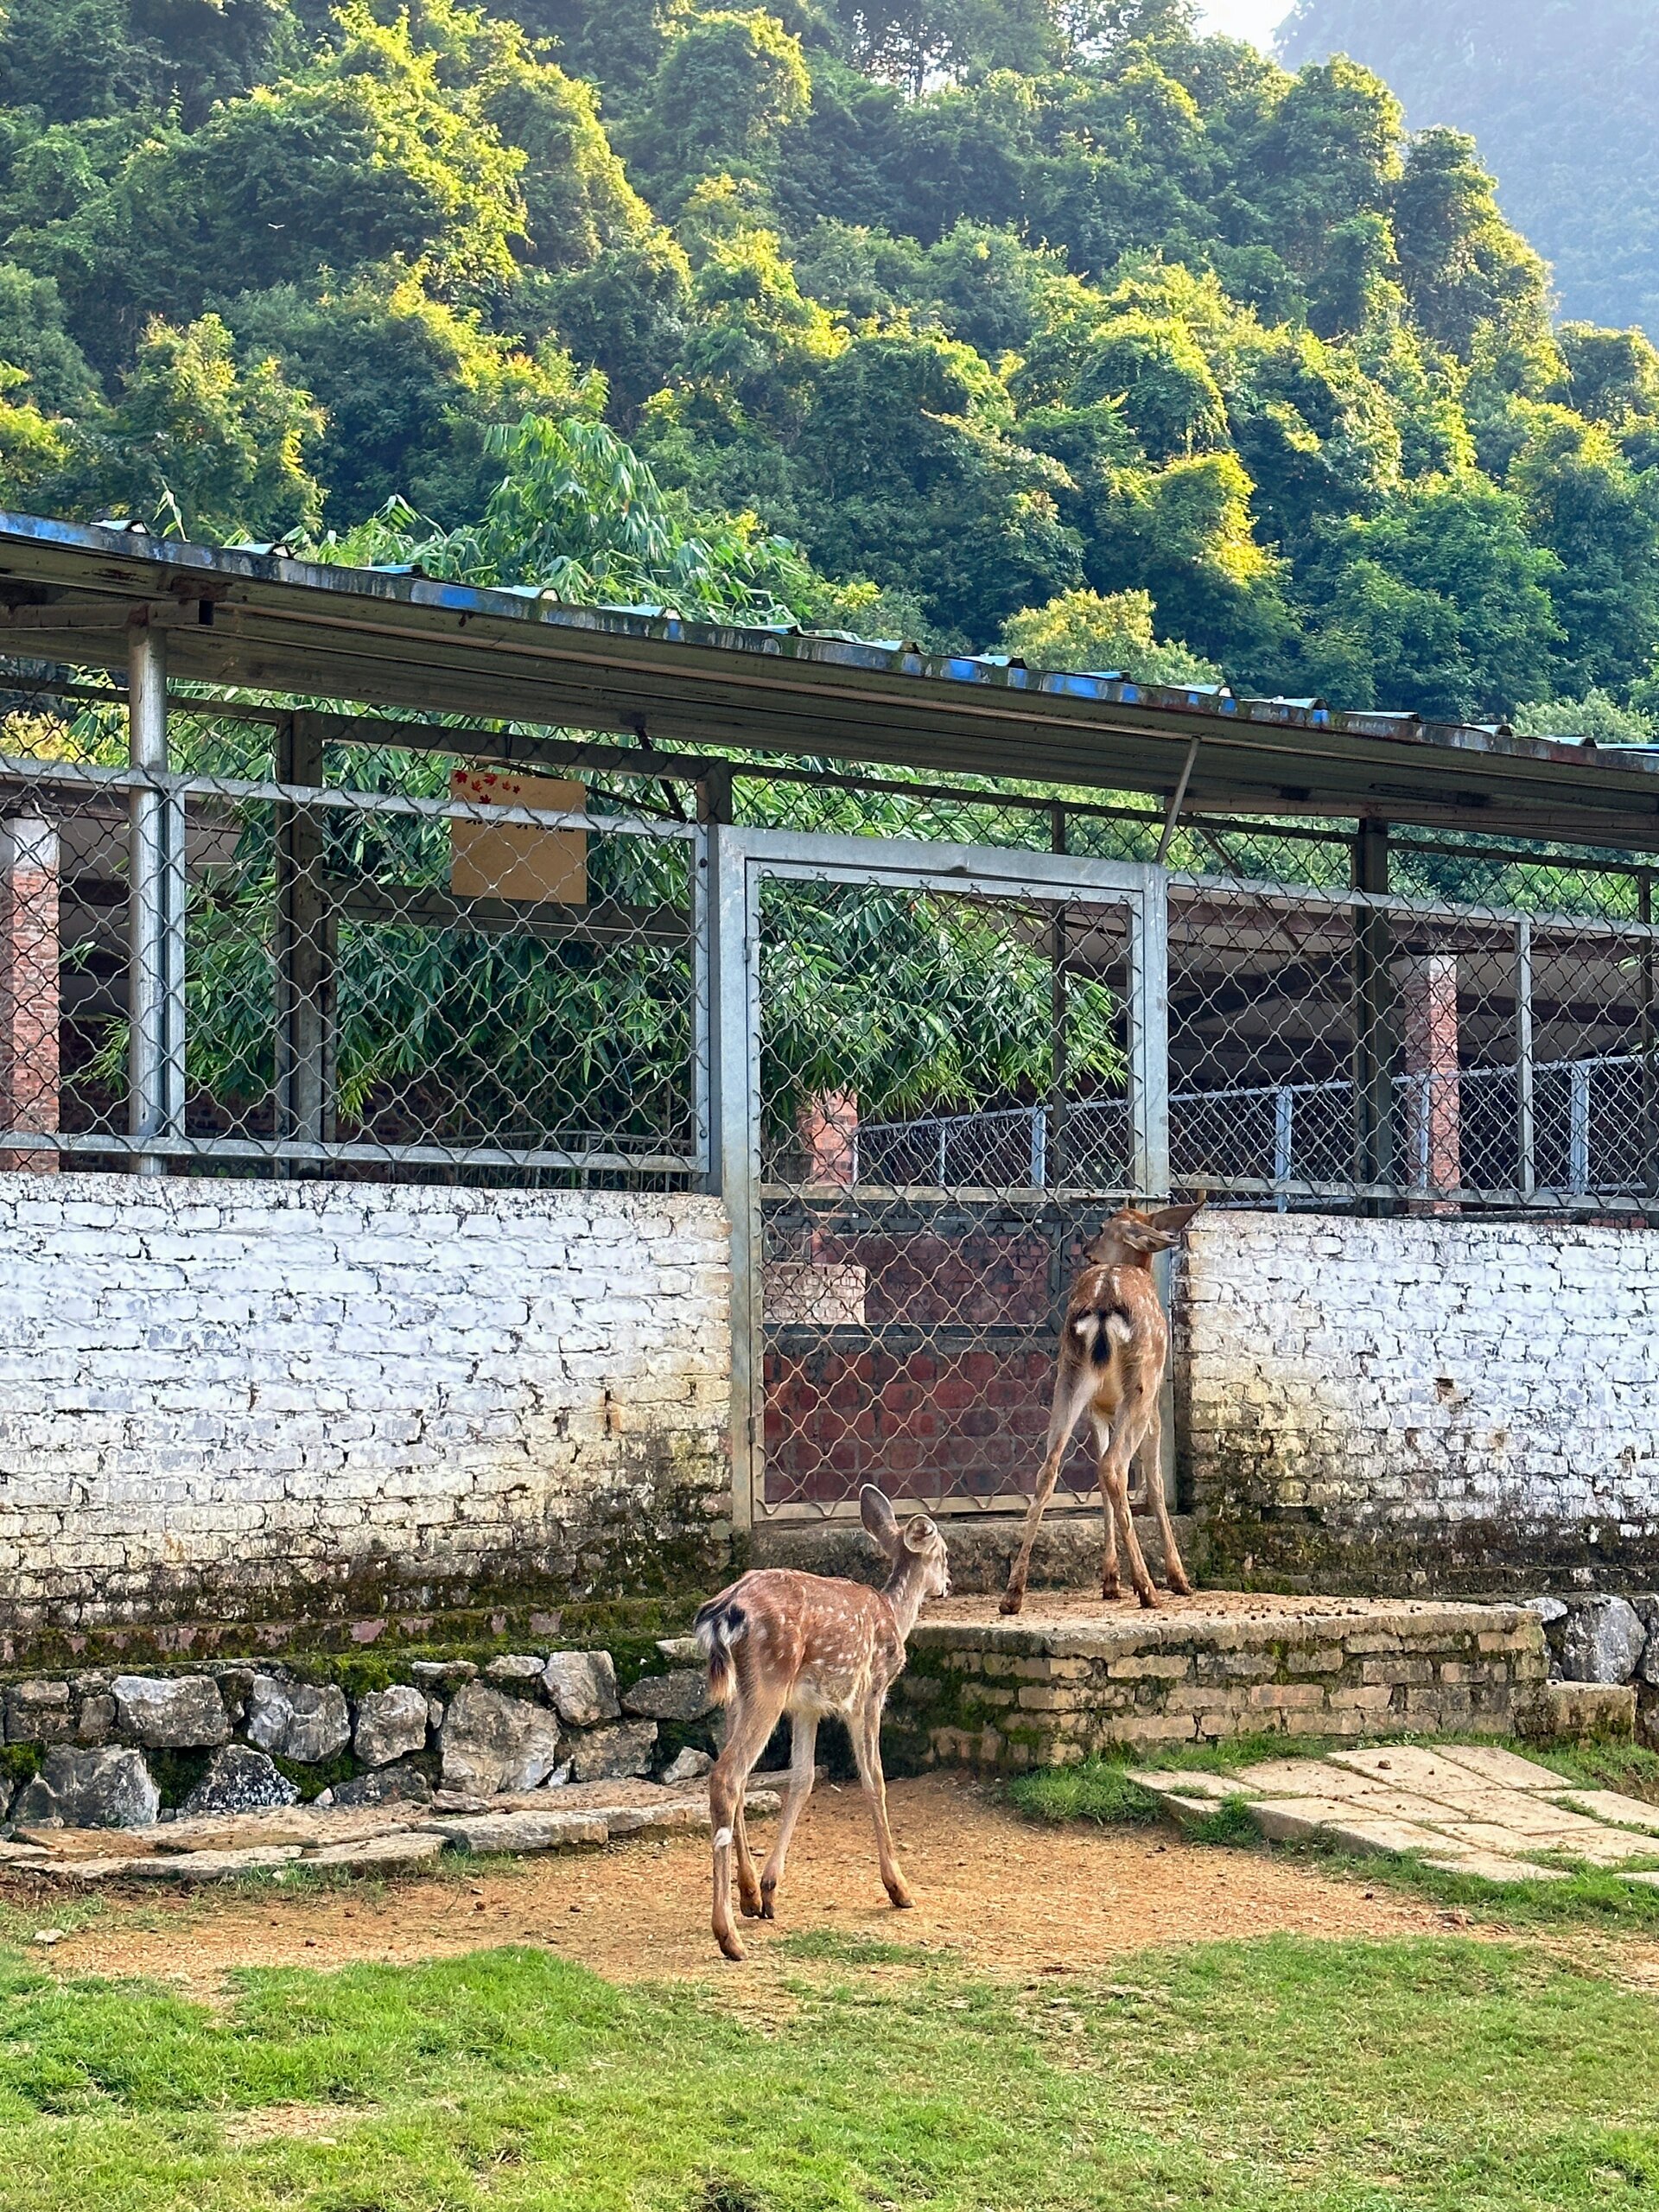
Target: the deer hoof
(768, 1897)
(1179, 1585)
(901, 1899)
(1112, 1591)
(1012, 1601)
(1151, 1601)
(730, 1947)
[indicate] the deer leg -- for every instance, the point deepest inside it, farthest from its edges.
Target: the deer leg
(1072, 1393)
(1111, 1587)
(867, 1750)
(803, 1749)
(1126, 1431)
(1152, 1465)
(747, 1735)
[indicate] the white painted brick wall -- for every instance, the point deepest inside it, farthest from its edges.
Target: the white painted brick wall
(1424, 1374)
(210, 1390)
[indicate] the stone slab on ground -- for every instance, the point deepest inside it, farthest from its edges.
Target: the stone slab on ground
(519, 1832)
(379, 1854)
(1457, 1807)
(1188, 1781)
(1609, 1805)
(187, 1867)
(1505, 1768)
(1490, 1866)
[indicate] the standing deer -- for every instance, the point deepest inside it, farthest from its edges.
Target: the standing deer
(779, 1641)
(1114, 1348)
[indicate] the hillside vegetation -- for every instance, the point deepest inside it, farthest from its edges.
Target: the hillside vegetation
(988, 322)
(1564, 100)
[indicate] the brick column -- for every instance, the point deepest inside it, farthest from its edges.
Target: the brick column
(828, 1127)
(30, 944)
(1425, 988)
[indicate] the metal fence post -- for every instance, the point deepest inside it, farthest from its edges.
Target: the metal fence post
(734, 1055)
(1149, 1099)
(1373, 1049)
(1649, 1151)
(1526, 1167)
(156, 902)
(1149, 1037)
(305, 947)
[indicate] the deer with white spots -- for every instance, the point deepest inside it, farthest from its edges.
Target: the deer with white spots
(1114, 1348)
(777, 1642)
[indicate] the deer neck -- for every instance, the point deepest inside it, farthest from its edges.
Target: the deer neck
(906, 1593)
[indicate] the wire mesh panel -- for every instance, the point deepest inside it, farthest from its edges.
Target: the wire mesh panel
(64, 925)
(944, 1117)
(1388, 1053)
(290, 945)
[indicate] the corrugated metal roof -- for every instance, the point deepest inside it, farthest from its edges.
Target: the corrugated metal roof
(392, 638)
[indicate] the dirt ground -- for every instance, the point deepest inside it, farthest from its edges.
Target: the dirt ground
(997, 1894)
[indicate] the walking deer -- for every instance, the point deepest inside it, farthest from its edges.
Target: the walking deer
(1114, 1348)
(779, 1642)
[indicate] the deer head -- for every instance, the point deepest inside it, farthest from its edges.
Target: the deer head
(1131, 1237)
(914, 1548)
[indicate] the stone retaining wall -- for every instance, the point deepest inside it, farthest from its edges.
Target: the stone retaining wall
(232, 1399)
(1006, 1696)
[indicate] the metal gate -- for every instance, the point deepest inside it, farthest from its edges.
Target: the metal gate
(937, 1069)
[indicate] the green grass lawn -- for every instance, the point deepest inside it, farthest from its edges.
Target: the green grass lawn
(1333, 2077)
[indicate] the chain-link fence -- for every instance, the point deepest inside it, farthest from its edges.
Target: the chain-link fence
(294, 944)
(316, 943)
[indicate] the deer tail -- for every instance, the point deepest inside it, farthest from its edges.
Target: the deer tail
(722, 1625)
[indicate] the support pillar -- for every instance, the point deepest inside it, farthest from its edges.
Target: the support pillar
(1425, 996)
(155, 887)
(30, 993)
(1373, 1065)
(305, 950)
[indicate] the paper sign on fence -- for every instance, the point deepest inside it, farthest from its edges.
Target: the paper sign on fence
(516, 859)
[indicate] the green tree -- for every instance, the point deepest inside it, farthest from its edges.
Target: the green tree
(1083, 631)
(200, 443)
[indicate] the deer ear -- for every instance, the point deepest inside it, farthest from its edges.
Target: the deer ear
(1175, 1218)
(878, 1518)
(919, 1532)
(1142, 1237)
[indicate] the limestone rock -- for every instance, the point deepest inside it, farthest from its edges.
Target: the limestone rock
(213, 1866)
(491, 1742)
(442, 1673)
(683, 1695)
(689, 1765)
(240, 1780)
(390, 1723)
(605, 1753)
(516, 1832)
(39, 1712)
(1548, 1610)
(1580, 1712)
(1647, 1611)
(583, 1686)
(387, 1785)
(297, 1720)
(680, 1650)
(109, 1789)
(95, 1723)
(1602, 1641)
(381, 1853)
(514, 1667)
(186, 1715)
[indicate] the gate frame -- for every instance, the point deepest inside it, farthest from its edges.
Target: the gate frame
(732, 863)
